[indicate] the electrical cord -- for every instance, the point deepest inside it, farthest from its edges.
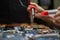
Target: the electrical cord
(22, 4)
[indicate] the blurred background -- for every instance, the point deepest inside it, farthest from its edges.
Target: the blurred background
(53, 3)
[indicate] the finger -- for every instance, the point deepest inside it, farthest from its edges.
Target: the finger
(33, 3)
(57, 14)
(58, 8)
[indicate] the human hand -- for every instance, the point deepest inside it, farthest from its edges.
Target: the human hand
(57, 17)
(37, 8)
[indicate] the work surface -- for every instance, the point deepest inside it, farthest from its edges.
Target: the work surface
(17, 36)
(28, 34)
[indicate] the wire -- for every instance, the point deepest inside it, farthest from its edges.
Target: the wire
(22, 4)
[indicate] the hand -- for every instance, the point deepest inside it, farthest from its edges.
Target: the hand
(57, 17)
(55, 20)
(36, 7)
